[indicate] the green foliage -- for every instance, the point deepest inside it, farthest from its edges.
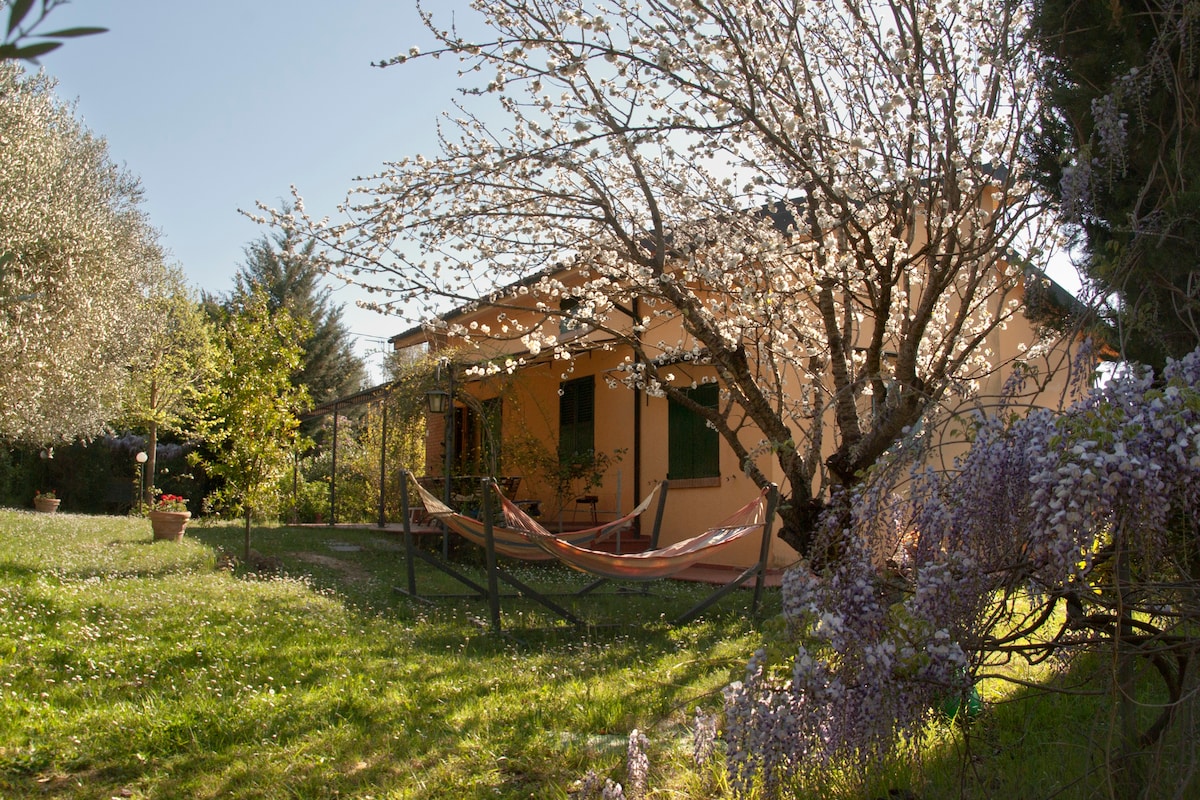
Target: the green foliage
(97, 477)
(567, 473)
(361, 441)
(174, 365)
(283, 267)
(17, 481)
(359, 466)
(357, 495)
(248, 415)
(20, 28)
(307, 498)
(77, 254)
(177, 358)
(1119, 145)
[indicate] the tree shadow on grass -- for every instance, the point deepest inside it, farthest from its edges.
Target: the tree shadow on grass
(366, 566)
(212, 687)
(1061, 740)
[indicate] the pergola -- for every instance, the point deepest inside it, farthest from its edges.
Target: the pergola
(375, 394)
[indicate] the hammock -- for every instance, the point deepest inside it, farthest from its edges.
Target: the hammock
(651, 564)
(513, 542)
(657, 563)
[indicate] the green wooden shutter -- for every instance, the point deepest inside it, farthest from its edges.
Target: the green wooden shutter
(693, 448)
(577, 416)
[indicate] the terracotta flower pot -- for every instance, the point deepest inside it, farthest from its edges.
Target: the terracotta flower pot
(46, 505)
(169, 524)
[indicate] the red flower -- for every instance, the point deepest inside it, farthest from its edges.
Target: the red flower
(170, 502)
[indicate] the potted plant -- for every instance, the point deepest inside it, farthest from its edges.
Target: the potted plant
(46, 502)
(169, 515)
(568, 475)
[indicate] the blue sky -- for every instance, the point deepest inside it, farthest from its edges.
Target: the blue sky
(218, 104)
(221, 103)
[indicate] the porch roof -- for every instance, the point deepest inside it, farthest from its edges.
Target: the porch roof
(349, 401)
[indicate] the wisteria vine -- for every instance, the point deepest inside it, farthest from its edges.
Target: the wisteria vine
(1093, 511)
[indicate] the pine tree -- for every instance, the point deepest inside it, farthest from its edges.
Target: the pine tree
(1119, 145)
(283, 267)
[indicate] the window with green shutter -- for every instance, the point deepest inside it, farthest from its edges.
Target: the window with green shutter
(693, 446)
(577, 417)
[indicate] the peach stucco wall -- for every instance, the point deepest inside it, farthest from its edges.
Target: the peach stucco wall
(530, 409)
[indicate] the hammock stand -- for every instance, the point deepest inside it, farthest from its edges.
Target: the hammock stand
(656, 563)
(496, 541)
(653, 564)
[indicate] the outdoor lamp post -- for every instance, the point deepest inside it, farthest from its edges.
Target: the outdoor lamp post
(437, 399)
(442, 402)
(46, 455)
(141, 458)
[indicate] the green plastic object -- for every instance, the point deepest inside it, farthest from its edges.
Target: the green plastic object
(950, 706)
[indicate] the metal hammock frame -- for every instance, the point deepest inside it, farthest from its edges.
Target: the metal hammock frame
(523, 536)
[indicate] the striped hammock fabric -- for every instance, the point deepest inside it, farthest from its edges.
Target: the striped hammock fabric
(513, 542)
(651, 564)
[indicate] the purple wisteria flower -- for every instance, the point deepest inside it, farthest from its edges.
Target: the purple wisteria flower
(1031, 519)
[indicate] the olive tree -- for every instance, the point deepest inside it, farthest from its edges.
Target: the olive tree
(77, 257)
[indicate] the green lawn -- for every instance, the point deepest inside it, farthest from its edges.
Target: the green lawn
(130, 668)
(137, 669)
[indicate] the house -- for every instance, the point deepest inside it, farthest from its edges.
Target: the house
(564, 410)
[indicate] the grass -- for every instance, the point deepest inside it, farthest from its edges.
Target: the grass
(136, 669)
(132, 668)
(1057, 739)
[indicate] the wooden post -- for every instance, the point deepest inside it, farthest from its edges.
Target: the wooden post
(333, 472)
(408, 536)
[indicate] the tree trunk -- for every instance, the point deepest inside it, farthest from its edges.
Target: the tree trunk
(151, 463)
(1125, 773)
(799, 518)
(247, 536)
